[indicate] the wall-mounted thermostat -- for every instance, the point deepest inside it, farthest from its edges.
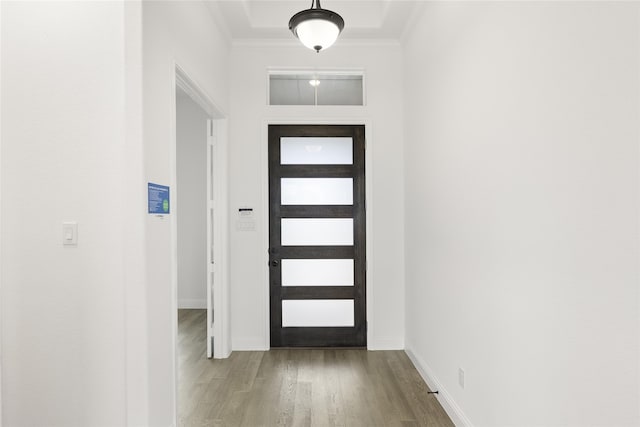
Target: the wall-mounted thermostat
(245, 213)
(246, 221)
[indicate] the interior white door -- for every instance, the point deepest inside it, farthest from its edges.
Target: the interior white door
(211, 228)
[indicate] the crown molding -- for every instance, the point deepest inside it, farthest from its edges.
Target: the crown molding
(295, 43)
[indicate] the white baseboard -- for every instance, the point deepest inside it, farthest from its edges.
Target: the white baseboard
(384, 343)
(248, 344)
(450, 406)
(192, 303)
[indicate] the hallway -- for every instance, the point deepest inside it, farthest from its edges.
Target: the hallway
(307, 387)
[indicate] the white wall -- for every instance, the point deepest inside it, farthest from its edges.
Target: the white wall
(191, 161)
(248, 172)
(134, 207)
(522, 209)
(63, 156)
(183, 33)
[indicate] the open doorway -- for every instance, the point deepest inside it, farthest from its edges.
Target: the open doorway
(199, 227)
(199, 234)
(192, 134)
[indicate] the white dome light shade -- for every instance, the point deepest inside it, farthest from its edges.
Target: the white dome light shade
(317, 34)
(317, 28)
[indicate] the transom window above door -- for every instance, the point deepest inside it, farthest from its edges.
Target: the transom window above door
(316, 87)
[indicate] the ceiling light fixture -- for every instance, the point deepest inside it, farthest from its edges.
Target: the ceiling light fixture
(316, 28)
(314, 82)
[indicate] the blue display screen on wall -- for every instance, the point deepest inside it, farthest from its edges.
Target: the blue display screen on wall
(158, 196)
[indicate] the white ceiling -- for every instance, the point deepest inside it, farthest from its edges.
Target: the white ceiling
(267, 20)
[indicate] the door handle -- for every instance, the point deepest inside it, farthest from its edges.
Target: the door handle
(275, 263)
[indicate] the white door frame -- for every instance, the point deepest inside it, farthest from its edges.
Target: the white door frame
(220, 293)
(1, 313)
(368, 176)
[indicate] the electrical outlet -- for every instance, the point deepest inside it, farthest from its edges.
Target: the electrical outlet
(461, 377)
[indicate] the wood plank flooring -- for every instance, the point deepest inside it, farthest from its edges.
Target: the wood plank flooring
(298, 387)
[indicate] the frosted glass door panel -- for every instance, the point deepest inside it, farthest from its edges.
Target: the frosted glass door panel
(316, 151)
(317, 232)
(317, 312)
(316, 191)
(317, 272)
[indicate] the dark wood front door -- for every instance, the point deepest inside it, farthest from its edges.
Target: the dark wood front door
(317, 235)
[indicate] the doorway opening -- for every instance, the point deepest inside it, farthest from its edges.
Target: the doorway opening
(191, 180)
(317, 236)
(199, 237)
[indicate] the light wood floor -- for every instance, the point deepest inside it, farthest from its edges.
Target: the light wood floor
(298, 387)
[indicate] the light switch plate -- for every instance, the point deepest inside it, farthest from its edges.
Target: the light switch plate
(70, 233)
